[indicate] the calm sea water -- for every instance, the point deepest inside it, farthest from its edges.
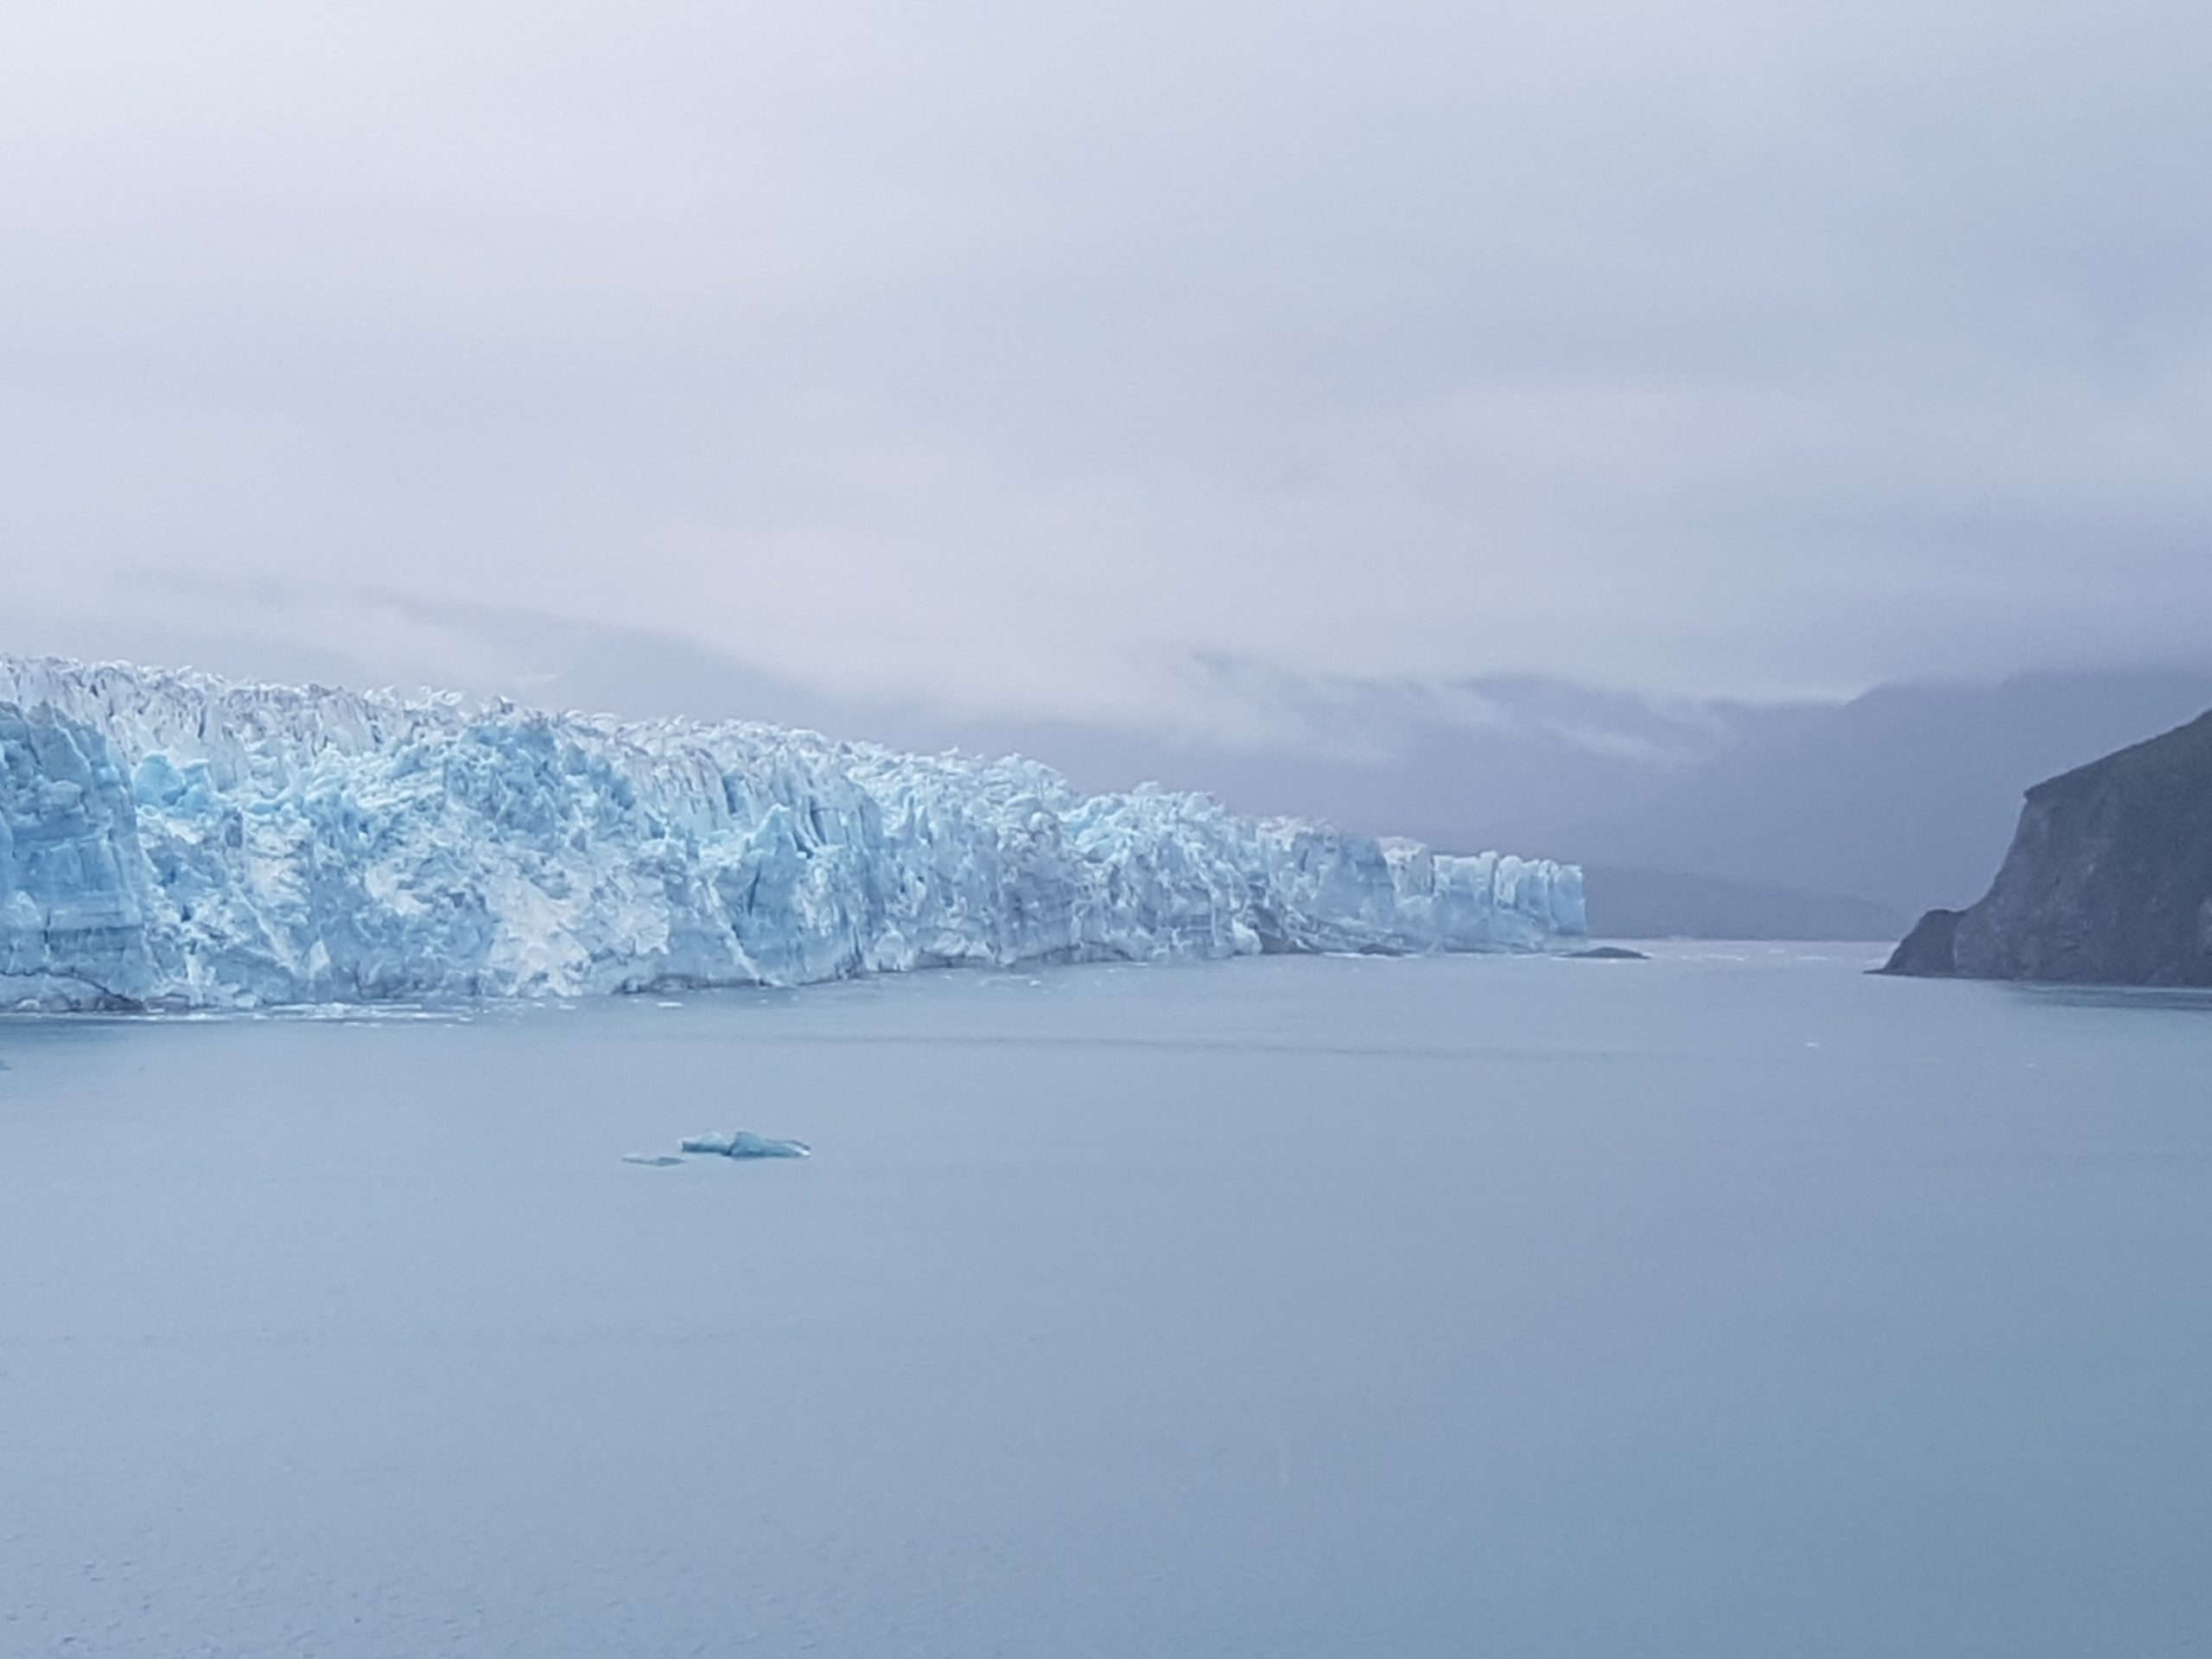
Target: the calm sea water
(1728, 1304)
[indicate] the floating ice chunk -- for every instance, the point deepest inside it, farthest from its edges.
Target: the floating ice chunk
(651, 1159)
(743, 1143)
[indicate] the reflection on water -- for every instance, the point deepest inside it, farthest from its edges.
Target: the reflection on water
(2151, 999)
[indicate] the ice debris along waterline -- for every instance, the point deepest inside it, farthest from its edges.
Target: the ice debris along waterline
(172, 841)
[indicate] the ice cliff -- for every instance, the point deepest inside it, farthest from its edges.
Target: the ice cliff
(168, 840)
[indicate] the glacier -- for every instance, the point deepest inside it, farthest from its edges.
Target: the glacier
(173, 840)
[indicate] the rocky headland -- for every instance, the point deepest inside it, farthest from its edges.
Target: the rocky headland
(2108, 880)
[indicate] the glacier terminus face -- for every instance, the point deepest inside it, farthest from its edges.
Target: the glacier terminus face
(172, 841)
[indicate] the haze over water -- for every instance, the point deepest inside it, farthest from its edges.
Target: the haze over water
(1729, 1304)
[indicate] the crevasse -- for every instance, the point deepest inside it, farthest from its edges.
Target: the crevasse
(169, 840)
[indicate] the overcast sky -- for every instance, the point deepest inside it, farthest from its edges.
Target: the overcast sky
(1009, 351)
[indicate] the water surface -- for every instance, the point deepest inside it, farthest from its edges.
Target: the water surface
(1728, 1304)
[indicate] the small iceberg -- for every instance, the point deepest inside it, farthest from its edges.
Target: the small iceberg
(743, 1143)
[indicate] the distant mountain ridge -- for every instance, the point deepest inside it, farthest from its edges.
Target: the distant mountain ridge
(1905, 797)
(1642, 904)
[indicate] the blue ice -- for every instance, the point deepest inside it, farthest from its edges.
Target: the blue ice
(167, 840)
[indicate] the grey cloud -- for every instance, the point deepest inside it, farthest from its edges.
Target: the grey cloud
(1010, 357)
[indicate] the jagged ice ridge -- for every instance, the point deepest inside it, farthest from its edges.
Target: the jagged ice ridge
(171, 840)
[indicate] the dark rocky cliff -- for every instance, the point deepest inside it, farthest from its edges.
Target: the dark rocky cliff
(2108, 881)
